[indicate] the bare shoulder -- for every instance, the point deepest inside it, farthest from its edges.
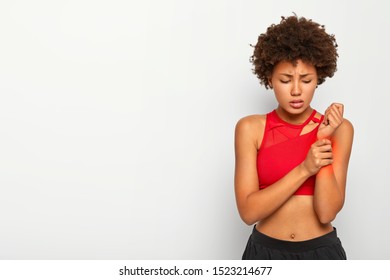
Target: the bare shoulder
(346, 129)
(251, 124)
(344, 134)
(250, 128)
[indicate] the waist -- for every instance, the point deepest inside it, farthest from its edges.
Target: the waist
(296, 246)
(295, 220)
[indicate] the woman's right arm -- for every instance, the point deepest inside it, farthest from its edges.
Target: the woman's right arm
(253, 204)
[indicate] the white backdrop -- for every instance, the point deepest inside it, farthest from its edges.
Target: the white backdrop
(117, 122)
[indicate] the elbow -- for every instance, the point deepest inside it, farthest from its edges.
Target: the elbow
(326, 214)
(249, 222)
(326, 218)
(248, 218)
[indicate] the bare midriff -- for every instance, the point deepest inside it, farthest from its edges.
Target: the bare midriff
(295, 220)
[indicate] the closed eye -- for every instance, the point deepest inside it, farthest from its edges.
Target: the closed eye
(285, 81)
(307, 82)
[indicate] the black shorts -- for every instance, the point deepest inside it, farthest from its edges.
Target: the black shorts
(263, 247)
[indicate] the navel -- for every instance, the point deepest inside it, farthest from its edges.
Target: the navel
(292, 236)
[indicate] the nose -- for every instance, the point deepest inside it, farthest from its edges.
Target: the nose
(296, 89)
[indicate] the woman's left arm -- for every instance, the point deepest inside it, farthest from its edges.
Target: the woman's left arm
(329, 193)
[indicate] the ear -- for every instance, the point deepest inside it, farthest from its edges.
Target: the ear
(270, 83)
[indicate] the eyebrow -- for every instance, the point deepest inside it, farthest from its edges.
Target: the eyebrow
(302, 75)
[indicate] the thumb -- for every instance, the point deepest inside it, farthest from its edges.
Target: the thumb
(325, 120)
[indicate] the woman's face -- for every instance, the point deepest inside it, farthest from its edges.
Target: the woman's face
(294, 87)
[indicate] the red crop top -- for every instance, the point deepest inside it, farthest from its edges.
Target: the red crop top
(282, 149)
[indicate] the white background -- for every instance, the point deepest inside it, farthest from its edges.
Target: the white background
(117, 122)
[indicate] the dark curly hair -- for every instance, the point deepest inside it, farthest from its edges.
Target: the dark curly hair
(292, 39)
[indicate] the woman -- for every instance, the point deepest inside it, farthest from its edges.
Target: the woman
(291, 164)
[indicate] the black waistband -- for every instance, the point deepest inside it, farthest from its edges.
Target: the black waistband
(295, 246)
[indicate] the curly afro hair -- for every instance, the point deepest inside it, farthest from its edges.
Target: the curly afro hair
(292, 39)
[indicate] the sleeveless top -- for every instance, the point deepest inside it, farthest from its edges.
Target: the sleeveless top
(283, 148)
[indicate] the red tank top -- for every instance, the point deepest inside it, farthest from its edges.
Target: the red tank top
(282, 149)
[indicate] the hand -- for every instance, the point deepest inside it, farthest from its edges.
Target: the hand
(319, 155)
(333, 118)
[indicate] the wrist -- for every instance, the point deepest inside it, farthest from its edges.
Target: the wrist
(303, 170)
(323, 135)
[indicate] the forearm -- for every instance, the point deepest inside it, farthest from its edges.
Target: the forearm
(262, 203)
(328, 197)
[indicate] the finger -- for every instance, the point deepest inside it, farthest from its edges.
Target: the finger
(325, 120)
(337, 112)
(323, 162)
(326, 113)
(339, 107)
(331, 119)
(326, 162)
(337, 104)
(323, 142)
(324, 148)
(326, 155)
(334, 119)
